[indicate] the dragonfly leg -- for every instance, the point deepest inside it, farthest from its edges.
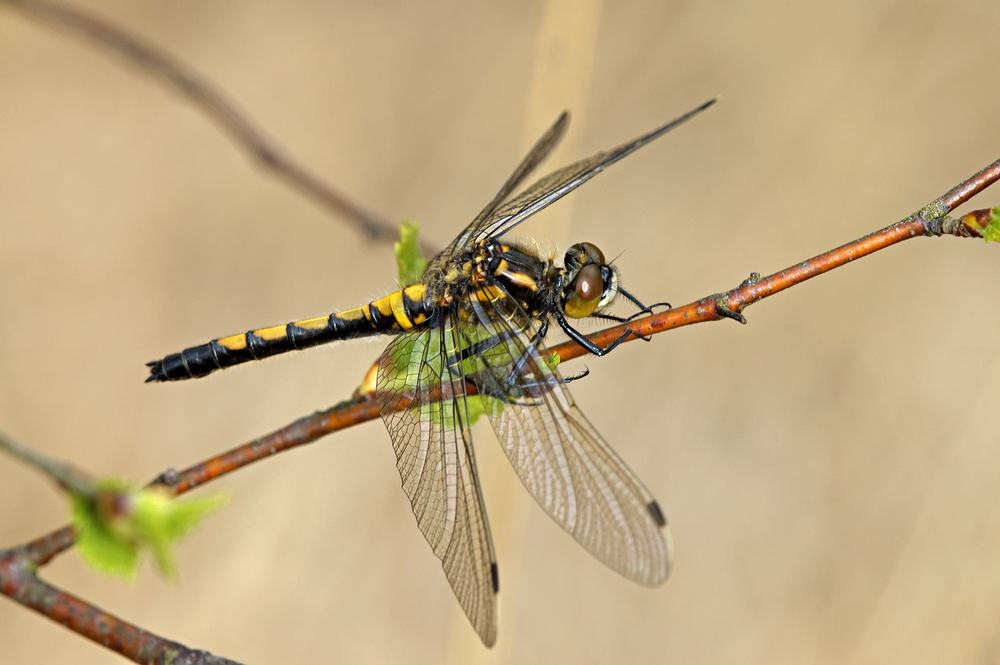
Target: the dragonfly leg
(643, 309)
(620, 319)
(483, 345)
(523, 359)
(649, 310)
(506, 399)
(535, 339)
(582, 340)
(612, 317)
(585, 372)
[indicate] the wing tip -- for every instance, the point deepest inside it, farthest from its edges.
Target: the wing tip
(669, 563)
(560, 124)
(488, 631)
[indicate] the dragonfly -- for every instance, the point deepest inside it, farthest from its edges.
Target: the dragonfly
(467, 340)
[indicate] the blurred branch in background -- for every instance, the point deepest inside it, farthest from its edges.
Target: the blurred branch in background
(211, 100)
(67, 477)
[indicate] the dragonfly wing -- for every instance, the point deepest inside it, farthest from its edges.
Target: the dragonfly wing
(585, 486)
(558, 184)
(570, 470)
(423, 405)
(538, 152)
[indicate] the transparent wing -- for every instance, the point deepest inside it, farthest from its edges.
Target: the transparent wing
(538, 152)
(564, 463)
(558, 184)
(423, 404)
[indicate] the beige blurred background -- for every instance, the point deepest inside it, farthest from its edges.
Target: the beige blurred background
(831, 471)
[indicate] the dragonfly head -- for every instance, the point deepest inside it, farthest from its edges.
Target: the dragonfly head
(590, 284)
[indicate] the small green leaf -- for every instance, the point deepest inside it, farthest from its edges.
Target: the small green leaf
(410, 262)
(116, 523)
(161, 521)
(96, 541)
(992, 230)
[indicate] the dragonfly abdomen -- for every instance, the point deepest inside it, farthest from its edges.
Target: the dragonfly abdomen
(399, 311)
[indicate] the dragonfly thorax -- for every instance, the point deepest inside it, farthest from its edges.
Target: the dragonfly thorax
(584, 285)
(519, 272)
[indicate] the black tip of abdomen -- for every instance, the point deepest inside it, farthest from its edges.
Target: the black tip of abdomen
(155, 371)
(172, 368)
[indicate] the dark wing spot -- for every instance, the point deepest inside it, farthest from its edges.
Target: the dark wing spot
(496, 577)
(654, 510)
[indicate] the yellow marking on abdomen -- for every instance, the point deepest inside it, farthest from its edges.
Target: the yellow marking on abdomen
(352, 314)
(233, 343)
(398, 311)
(384, 305)
(277, 332)
(416, 292)
(313, 324)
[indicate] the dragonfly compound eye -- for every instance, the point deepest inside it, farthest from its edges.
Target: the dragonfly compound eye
(587, 291)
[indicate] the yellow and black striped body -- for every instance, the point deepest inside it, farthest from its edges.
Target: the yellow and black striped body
(397, 312)
(514, 282)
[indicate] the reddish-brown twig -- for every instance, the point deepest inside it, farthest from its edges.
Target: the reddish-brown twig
(19, 581)
(302, 431)
(932, 220)
(213, 102)
(17, 566)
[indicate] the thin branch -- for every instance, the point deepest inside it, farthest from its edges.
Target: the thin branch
(213, 102)
(966, 190)
(302, 431)
(19, 581)
(932, 220)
